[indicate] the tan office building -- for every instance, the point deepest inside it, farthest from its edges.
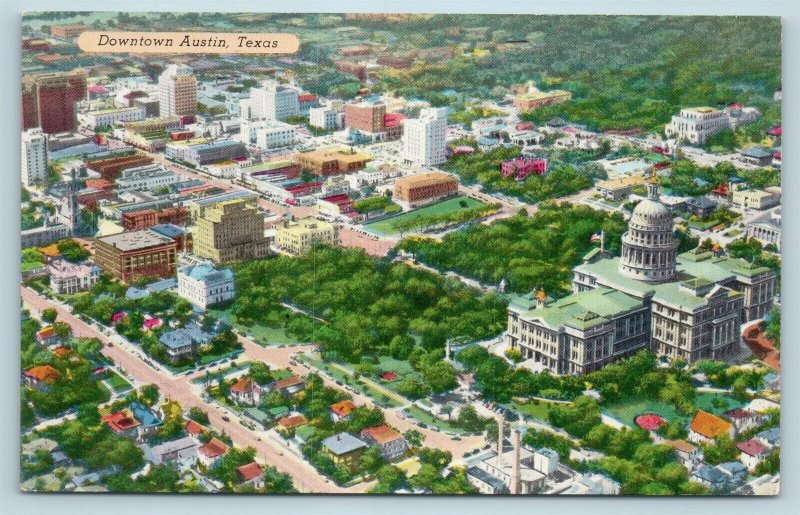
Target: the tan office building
(299, 236)
(231, 230)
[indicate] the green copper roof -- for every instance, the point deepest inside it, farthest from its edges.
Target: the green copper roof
(678, 293)
(586, 309)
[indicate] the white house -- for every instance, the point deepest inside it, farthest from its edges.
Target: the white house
(66, 277)
(752, 452)
(181, 453)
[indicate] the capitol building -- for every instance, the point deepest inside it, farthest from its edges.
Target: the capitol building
(689, 306)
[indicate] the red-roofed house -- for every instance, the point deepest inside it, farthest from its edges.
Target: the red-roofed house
(342, 410)
(118, 317)
(211, 452)
(121, 422)
(194, 430)
(286, 424)
(151, 323)
(41, 377)
(245, 391)
(706, 427)
(391, 443)
(251, 474)
(289, 386)
(752, 452)
(743, 420)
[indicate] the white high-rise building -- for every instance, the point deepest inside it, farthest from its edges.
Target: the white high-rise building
(273, 101)
(177, 90)
(324, 117)
(696, 124)
(34, 157)
(424, 137)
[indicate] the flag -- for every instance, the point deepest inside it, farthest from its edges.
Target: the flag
(596, 237)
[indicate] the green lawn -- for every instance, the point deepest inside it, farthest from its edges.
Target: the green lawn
(449, 206)
(432, 421)
(625, 411)
(537, 411)
(118, 383)
(265, 336)
(341, 375)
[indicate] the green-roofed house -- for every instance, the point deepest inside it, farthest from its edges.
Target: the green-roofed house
(693, 304)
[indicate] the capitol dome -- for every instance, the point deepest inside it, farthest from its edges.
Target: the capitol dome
(649, 246)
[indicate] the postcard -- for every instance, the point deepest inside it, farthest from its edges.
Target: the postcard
(400, 254)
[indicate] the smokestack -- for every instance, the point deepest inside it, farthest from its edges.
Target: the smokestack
(515, 479)
(500, 423)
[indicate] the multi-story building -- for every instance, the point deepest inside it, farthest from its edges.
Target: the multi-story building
(231, 230)
(266, 134)
(67, 278)
(424, 137)
(177, 89)
(425, 188)
(325, 118)
(48, 100)
(203, 285)
(306, 102)
(145, 218)
(755, 199)
(521, 167)
(146, 177)
(344, 450)
(696, 124)
(34, 157)
(272, 101)
(534, 98)
(689, 306)
(277, 171)
(105, 117)
(299, 236)
(766, 227)
(208, 153)
(133, 254)
(110, 164)
(333, 161)
(365, 116)
(392, 445)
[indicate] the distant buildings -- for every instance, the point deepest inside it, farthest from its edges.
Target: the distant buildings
(104, 117)
(756, 156)
(271, 101)
(145, 177)
(110, 164)
(522, 167)
(68, 278)
(618, 189)
(299, 236)
(424, 137)
(177, 91)
(48, 100)
(426, 188)
(534, 98)
(333, 161)
(133, 254)
(145, 218)
(203, 285)
(34, 157)
(231, 229)
(200, 154)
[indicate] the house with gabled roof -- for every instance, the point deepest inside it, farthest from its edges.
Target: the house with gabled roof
(706, 427)
(752, 452)
(245, 391)
(391, 443)
(41, 377)
(743, 420)
(289, 386)
(341, 410)
(251, 474)
(210, 453)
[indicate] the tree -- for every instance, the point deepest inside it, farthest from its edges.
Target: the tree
(260, 373)
(62, 329)
(722, 450)
(371, 460)
(49, 315)
(389, 479)
(72, 251)
(414, 438)
(198, 415)
(150, 394)
(469, 420)
(89, 415)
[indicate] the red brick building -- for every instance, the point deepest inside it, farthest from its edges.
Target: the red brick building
(424, 188)
(110, 167)
(48, 100)
(133, 254)
(145, 218)
(365, 116)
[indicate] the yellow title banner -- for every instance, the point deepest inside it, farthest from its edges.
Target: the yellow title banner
(188, 42)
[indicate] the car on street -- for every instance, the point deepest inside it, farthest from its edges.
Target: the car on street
(226, 418)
